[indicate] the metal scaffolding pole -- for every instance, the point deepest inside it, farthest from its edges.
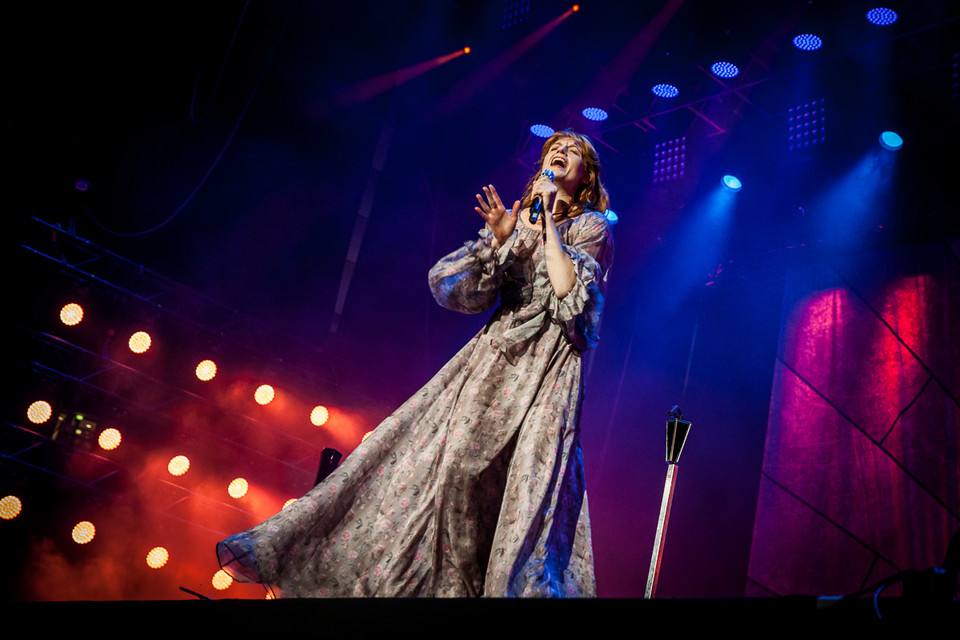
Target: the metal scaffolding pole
(677, 430)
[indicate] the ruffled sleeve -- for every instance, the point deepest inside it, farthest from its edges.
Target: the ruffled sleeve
(589, 244)
(468, 280)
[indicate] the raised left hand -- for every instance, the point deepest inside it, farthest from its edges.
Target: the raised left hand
(501, 221)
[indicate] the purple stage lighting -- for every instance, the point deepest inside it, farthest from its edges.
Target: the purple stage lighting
(807, 42)
(807, 124)
(541, 130)
(724, 69)
(665, 90)
(670, 160)
(881, 16)
(595, 114)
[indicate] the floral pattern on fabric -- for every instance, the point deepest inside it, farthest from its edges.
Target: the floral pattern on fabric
(474, 486)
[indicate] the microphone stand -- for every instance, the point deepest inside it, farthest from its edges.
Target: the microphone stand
(677, 431)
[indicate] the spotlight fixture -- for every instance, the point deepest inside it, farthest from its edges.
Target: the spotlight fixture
(541, 130)
(206, 370)
(221, 580)
(891, 141)
(731, 183)
(595, 114)
(157, 557)
(71, 314)
(10, 507)
(238, 488)
(139, 342)
(670, 160)
(665, 90)
(39, 412)
(83, 532)
(807, 124)
(725, 69)
(319, 416)
(807, 42)
(264, 394)
(881, 16)
(611, 216)
(109, 439)
(178, 465)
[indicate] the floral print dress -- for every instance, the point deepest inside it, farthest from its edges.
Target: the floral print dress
(475, 485)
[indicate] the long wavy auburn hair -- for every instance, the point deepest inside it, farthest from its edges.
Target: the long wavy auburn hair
(590, 195)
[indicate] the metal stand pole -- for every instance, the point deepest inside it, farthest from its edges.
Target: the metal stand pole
(677, 430)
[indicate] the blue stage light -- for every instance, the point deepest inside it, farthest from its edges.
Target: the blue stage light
(731, 183)
(882, 16)
(593, 113)
(891, 140)
(807, 42)
(665, 90)
(541, 130)
(611, 216)
(724, 69)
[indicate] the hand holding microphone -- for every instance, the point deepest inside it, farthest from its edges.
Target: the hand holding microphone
(536, 207)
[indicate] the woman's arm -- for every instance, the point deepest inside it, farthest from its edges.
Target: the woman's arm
(559, 265)
(588, 254)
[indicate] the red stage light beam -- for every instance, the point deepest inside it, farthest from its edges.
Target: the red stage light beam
(471, 85)
(371, 87)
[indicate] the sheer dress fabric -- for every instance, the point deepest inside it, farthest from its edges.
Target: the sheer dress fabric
(474, 486)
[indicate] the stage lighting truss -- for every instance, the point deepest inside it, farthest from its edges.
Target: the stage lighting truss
(807, 125)
(670, 160)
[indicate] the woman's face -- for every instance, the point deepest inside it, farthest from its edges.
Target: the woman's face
(565, 158)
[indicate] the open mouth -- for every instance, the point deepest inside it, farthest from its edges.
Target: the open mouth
(559, 162)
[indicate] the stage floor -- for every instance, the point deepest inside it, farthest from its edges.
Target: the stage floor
(366, 617)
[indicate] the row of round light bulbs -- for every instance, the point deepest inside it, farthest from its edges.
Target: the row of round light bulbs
(85, 531)
(71, 314)
(880, 16)
(110, 438)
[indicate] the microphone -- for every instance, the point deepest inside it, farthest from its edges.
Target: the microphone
(536, 207)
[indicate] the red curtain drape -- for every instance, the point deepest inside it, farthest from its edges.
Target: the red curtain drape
(860, 472)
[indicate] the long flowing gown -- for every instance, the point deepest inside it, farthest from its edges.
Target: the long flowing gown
(475, 485)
